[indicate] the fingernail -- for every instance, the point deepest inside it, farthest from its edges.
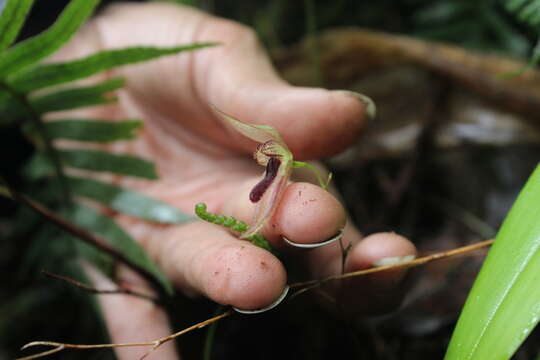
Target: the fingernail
(371, 109)
(393, 260)
(313, 245)
(266, 308)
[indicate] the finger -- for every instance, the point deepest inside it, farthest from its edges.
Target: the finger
(132, 319)
(371, 294)
(309, 214)
(202, 258)
(236, 76)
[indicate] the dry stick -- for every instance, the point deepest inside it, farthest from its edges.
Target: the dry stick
(155, 344)
(308, 284)
(86, 236)
(94, 290)
(406, 264)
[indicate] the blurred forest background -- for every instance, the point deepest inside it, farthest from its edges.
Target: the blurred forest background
(453, 144)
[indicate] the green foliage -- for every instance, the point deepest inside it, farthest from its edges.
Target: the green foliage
(527, 11)
(77, 97)
(34, 49)
(104, 161)
(103, 225)
(46, 75)
(14, 14)
(99, 131)
(126, 201)
(21, 75)
(503, 306)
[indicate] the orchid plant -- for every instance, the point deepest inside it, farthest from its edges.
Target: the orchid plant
(274, 154)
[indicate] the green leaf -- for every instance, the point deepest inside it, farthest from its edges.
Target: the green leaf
(104, 226)
(529, 14)
(504, 304)
(39, 166)
(11, 20)
(514, 5)
(77, 97)
(57, 73)
(38, 47)
(97, 160)
(10, 108)
(127, 201)
(101, 131)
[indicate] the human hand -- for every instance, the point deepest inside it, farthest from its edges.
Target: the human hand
(200, 160)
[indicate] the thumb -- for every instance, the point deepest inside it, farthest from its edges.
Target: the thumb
(236, 76)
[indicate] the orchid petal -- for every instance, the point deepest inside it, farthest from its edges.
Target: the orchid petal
(268, 202)
(258, 133)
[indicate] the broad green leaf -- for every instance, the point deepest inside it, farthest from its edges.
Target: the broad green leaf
(504, 304)
(97, 160)
(38, 47)
(104, 226)
(57, 73)
(11, 20)
(101, 131)
(77, 97)
(127, 201)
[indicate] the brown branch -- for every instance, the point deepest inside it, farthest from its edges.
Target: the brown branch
(94, 290)
(86, 236)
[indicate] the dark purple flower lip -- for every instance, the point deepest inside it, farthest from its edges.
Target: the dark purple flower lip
(271, 172)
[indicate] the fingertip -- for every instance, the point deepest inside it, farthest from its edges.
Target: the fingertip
(307, 214)
(381, 245)
(244, 276)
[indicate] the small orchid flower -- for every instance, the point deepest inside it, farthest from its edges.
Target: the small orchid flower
(273, 153)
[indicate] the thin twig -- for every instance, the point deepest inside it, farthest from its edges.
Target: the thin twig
(86, 236)
(416, 262)
(307, 284)
(155, 344)
(93, 290)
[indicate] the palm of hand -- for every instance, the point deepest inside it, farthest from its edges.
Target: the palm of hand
(198, 159)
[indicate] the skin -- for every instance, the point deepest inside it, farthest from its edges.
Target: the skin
(200, 160)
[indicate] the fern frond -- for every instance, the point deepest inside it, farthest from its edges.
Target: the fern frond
(11, 20)
(46, 75)
(127, 201)
(38, 47)
(103, 161)
(77, 97)
(99, 131)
